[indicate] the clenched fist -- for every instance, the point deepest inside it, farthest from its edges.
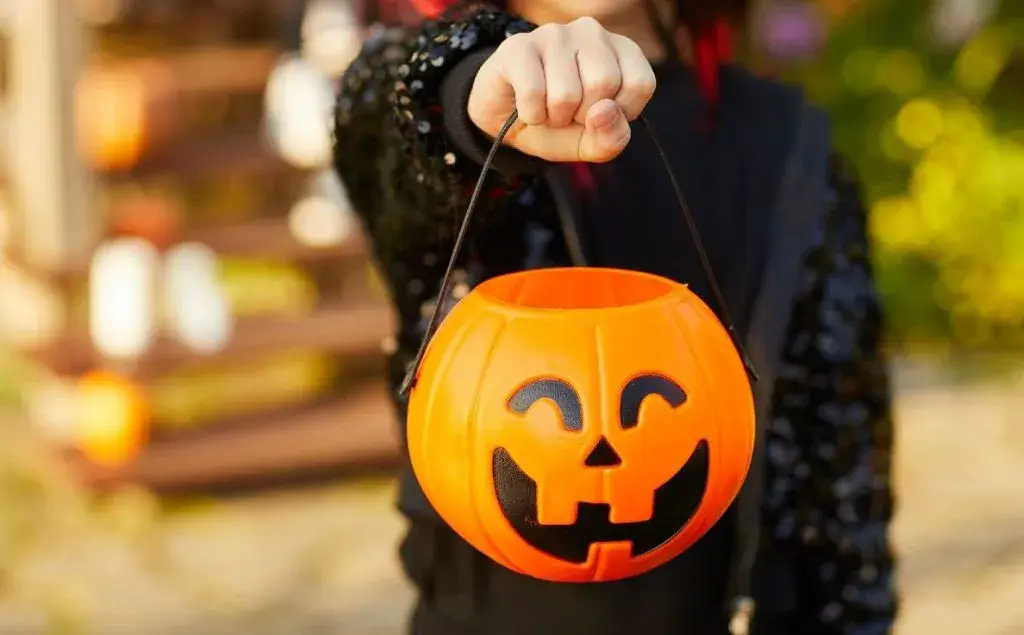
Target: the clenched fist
(576, 87)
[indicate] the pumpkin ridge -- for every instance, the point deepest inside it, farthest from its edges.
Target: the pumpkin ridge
(471, 442)
(715, 458)
(448, 357)
(682, 331)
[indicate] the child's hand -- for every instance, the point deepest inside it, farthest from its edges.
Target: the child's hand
(576, 87)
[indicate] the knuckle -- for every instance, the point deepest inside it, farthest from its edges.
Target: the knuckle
(516, 40)
(603, 85)
(513, 46)
(648, 89)
(531, 97)
(625, 42)
(567, 98)
(532, 112)
(643, 87)
(563, 103)
(587, 24)
(532, 116)
(549, 34)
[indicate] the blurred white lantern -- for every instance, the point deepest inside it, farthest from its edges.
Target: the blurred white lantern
(299, 103)
(331, 36)
(122, 288)
(198, 312)
(324, 217)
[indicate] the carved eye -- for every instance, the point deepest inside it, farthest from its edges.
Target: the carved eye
(642, 386)
(563, 395)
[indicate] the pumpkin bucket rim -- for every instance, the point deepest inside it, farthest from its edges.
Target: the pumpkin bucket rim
(658, 291)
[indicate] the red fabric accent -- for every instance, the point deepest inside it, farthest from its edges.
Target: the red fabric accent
(432, 8)
(582, 177)
(723, 40)
(711, 48)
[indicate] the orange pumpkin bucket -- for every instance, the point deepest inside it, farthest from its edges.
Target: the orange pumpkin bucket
(580, 424)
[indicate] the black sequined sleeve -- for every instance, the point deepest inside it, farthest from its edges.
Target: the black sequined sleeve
(828, 500)
(408, 183)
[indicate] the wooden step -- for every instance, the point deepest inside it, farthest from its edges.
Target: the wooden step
(271, 238)
(357, 429)
(343, 329)
(234, 155)
(264, 236)
(181, 16)
(153, 95)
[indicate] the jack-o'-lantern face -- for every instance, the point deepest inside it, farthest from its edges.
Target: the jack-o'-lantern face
(581, 424)
(569, 515)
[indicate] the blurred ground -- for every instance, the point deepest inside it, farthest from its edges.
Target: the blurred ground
(321, 561)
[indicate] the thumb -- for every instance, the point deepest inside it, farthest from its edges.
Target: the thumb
(606, 132)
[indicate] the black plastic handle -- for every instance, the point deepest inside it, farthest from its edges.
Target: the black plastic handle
(446, 283)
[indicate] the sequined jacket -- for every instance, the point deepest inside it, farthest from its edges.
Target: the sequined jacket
(827, 499)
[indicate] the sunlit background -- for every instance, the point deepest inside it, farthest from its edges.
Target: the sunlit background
(194, 438)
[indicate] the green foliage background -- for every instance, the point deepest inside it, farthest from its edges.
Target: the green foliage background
(937, 134)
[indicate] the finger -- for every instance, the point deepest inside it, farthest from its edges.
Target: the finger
(564, 89)
(522, 69)
(557, 145)
(491, 99)
(606, 133)
(604, 136)
(638, 79)
(599, 74)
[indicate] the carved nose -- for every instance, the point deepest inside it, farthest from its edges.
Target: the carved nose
(603, 455)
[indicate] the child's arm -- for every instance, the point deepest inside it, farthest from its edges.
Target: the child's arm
(416, 111)
(828, 498)
(407, 181)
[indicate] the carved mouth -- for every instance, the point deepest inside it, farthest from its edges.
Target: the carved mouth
(675, 503)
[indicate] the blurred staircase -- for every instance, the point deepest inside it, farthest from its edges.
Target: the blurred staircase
(150, 152)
